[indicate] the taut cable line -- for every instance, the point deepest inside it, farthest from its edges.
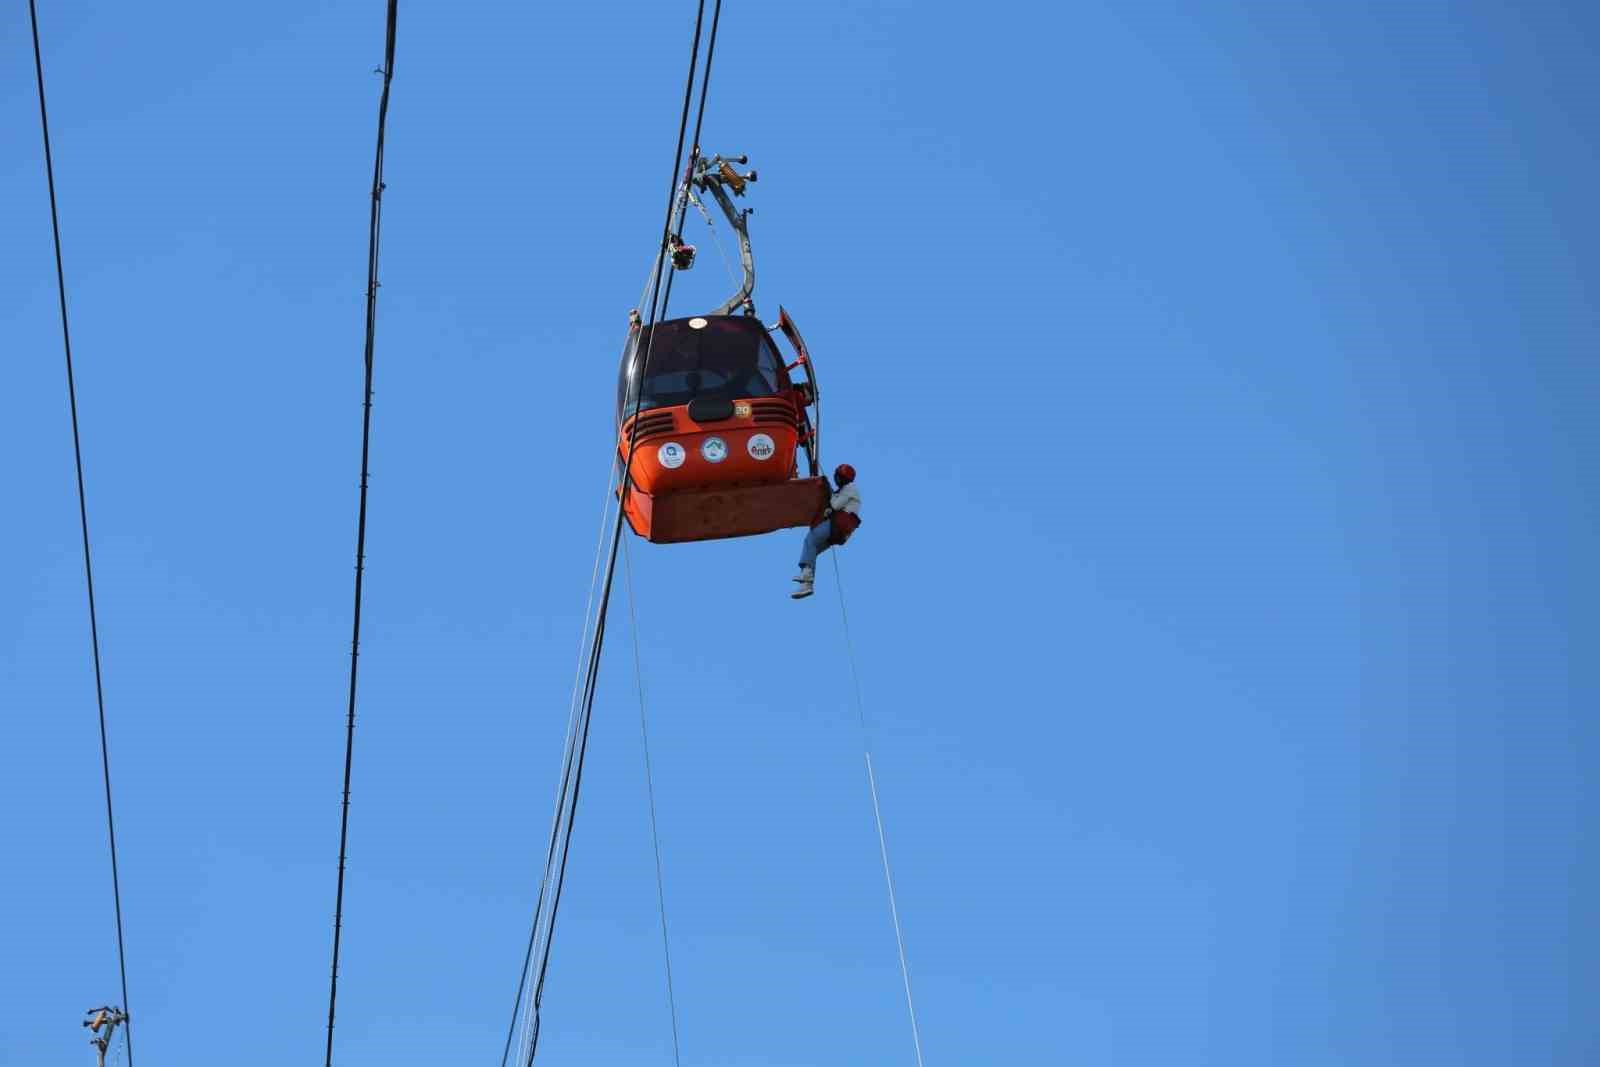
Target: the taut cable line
(361, 519)
(83, 520)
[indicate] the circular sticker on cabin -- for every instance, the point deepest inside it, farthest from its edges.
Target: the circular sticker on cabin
(671, 455)
(760, 446)
(697, 324)
(714, 449)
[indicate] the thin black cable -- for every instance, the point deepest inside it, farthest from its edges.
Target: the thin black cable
(538, 907)
(705, 85)
(562, 795)
(694, 144)
(83, 520)
(657, 306)
(361, 519)
(566, 757)
(549, 860)
(522, 982)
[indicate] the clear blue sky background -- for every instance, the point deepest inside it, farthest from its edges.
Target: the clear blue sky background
(1222, 380)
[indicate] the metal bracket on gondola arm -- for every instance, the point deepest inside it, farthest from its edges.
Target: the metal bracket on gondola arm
(105, 1018)
(716, 176)
(735, 180)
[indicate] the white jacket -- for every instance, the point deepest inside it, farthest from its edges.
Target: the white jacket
(847, 499)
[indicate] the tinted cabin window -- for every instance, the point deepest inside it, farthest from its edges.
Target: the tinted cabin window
(730, 357)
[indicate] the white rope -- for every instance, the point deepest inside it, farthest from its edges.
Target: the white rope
(727, 264)
(650, 279)
(877, 812)
(650, 790)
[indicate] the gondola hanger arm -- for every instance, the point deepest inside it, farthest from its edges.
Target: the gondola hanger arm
(716, 176)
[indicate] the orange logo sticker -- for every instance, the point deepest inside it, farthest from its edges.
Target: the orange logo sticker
(742, 409)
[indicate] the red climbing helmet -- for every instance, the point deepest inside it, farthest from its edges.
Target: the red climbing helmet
(843, 475)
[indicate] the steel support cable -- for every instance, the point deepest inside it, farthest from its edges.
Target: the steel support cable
(571, 773)
(566, 750)
(598, 640)
(877, 812)
(361, 519)
(680, 202)
(650, 793)
(694, 142)
(83, 522)
(705, 89)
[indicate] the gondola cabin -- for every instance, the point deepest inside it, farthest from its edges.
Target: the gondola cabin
(715, 422)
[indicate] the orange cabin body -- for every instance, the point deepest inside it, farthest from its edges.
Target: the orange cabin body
(715, 426)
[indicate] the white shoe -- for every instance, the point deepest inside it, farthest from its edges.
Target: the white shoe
(806, 577)
(805, 589)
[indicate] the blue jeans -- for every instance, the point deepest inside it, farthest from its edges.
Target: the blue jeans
(816, 543)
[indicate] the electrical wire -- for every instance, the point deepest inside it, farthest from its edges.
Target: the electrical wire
(83, 520)
(877, 812)
(361, 520)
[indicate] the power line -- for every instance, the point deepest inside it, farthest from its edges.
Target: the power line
(83, 519)
(361, 520)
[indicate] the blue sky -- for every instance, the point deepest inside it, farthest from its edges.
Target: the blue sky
(1221, 380)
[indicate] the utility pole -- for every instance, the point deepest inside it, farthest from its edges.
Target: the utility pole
(103, 1018)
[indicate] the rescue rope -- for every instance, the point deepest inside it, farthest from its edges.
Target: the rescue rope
(83, 521)
(361, 519)
(727, 264)
(877, 812)
(650, 792)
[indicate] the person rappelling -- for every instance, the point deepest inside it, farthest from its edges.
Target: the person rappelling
(839, 521)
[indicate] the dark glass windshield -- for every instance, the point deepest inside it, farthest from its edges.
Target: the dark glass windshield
(729, 357)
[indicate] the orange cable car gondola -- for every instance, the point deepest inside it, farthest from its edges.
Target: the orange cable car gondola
(716, 423)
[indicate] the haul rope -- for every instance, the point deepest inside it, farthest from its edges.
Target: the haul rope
(83, 521)
(361, 519)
